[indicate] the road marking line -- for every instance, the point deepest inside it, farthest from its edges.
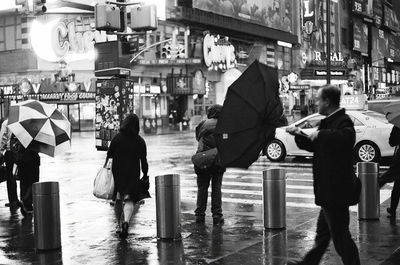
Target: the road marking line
(247, 184)
(258, 202)
(254, 192)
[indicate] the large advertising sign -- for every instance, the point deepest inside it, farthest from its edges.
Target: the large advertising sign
(71, 39)
(380, 45)
(360, 32)
(277, 14)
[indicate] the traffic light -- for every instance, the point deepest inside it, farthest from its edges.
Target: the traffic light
(166, 51)
(107, 17)
(39, 7)
(24, 6)
(144, 18)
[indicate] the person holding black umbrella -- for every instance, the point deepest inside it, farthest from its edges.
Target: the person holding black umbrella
(334, 178)
(205, 137)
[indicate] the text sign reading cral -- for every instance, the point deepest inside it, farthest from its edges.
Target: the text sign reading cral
(219, 53)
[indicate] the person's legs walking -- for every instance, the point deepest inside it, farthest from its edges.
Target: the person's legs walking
(394, 198)
(126, 216)
(338, 222)
(321, 243)
(11, 181)
(216, 200)
(203, 182)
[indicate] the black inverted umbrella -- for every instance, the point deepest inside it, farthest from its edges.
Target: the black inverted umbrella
(250, 114)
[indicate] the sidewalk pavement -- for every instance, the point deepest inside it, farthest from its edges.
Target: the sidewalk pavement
(241, 240)
(88, 224)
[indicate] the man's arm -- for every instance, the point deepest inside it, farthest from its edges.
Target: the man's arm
(4, 137)
(394, 138)
(302, 140)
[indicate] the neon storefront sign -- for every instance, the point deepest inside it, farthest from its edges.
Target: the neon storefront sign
(218, 53)
(58, 39)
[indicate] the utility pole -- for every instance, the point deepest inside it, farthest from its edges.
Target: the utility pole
(328, 41)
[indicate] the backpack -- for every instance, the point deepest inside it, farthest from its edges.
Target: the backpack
(16, 148)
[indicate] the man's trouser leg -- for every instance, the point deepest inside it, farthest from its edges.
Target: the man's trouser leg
(321, 243)
(11, 181)
(338, 222)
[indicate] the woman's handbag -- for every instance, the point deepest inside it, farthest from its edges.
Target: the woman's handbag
(205, 159)
(103, 186)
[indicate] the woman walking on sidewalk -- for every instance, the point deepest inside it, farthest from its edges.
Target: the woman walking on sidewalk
(129, 154)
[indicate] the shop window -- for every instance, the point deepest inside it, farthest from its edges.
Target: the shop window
(87, 114)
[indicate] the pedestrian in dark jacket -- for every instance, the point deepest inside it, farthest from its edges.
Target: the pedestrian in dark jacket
(333, 175)
(129, 154)
(28, 163)
(205, 137)
(393, 173)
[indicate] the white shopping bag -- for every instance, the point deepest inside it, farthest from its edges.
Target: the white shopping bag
(104, 184)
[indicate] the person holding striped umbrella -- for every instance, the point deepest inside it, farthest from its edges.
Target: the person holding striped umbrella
(36, 128)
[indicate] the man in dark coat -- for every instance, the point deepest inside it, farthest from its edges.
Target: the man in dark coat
(333, 175)
(205, 137)
(393, 173)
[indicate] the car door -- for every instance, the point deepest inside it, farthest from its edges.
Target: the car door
(359, 127)
(308, 126)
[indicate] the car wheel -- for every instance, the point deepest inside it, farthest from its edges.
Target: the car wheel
(275, 151)
(367, 152)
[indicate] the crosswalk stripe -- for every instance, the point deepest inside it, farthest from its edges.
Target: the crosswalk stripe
(247, 184)
(254, 192)
(257, 202)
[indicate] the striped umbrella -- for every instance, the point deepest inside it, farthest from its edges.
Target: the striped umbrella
(40, 127)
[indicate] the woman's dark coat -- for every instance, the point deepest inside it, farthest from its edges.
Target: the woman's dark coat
(333, 160)
(129, 153)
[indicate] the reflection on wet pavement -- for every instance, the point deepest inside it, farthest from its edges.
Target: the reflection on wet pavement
(88, 225)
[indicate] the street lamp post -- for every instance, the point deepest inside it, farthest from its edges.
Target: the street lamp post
(328, 41)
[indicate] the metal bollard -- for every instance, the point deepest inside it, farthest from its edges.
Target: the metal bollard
(46, 207)
(168, 206)
(368, 208)
(274, 198)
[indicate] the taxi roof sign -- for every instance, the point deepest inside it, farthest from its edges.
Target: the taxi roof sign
(353, 102)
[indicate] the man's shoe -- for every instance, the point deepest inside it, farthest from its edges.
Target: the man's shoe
(124, 230)
(218, 221)
(392, 213)
(23, 210)
(200, 219)
(14, 204)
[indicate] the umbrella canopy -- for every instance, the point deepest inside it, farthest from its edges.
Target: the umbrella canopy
(40, 127)
(250, 114)
(392, 112)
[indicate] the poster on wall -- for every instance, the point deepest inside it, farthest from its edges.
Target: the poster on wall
(277, 14)
(360, 33)
(114, 99)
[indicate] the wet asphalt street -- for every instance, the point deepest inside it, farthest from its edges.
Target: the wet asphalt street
(88, 224)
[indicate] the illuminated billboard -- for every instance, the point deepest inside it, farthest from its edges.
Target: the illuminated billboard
(277, 14)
